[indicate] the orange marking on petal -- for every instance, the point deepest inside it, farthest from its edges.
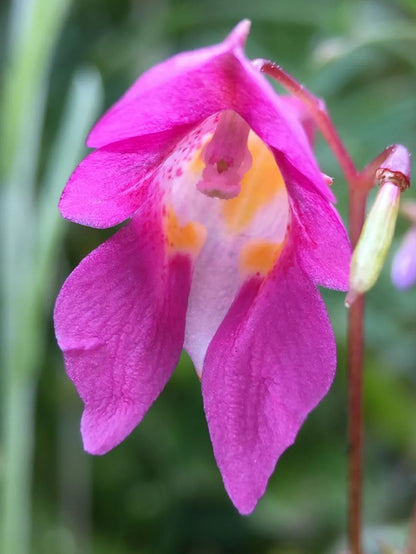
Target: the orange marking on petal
(259, 256)
(196, 164)
(258, 186)
(188, 238)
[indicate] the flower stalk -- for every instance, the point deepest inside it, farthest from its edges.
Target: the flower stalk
(355, 345)
(392, 164)
(320, 115)
(358, 186)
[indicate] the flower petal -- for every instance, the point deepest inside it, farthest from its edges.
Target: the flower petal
(322, 244)
(300, 112)
(110, 184)
(214, 284)
(270, 363)
(164, 84)
(120, 319)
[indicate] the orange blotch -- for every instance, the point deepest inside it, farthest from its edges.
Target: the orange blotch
(188, 238)
(196, 164)
(259, 256)
(258, 187)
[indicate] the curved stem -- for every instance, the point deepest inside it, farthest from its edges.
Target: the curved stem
(359, 185)
(319, 113)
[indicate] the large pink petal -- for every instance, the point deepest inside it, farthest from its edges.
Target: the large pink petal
(270, 363)
(110, 184)
(120, 319)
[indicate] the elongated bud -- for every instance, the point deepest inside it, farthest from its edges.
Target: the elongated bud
(393, 176)
(374, 242)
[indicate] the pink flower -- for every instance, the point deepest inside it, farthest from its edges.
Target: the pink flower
(231, 230)
(403, 271)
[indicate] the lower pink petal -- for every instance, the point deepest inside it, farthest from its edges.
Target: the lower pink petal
(270, 363)
(120, 319)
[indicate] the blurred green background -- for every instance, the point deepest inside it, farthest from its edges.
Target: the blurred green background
(63, 63)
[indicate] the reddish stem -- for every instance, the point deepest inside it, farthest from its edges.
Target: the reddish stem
(355, 424)
(319, 113)
(359, 184)
(355, 369)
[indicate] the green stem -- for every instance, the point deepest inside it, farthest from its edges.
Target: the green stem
(34, 28)
(24, 302)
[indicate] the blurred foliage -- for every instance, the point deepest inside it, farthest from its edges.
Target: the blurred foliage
(160, 491)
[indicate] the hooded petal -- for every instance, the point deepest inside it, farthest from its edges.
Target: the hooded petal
(110, 184)
(270, 363)
(207, 82)
(120, 319)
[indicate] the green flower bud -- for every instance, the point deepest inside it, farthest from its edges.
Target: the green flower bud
(375, 240)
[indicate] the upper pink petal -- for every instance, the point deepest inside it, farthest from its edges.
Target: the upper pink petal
(127, 117)
(270, 363)
(111, 183)
(167, 71)
(120, 319)
(187, 89)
